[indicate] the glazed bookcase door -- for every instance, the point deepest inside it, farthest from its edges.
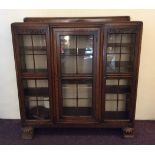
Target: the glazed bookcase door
(76, 51)
(32, 53)
(120, 61)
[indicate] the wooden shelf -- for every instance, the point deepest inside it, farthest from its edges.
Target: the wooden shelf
(25, 48)
(120, 44)
(118, 89)
(36, 92)
(38, 113)
(80, 111)
(38, 73)
(75, 52)
(121, 75)
(77, 78)
(121, 63)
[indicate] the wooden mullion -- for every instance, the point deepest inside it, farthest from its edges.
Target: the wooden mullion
(33, 54)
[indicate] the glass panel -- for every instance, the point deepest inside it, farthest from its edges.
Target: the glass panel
(40, 62)
(117, 98)
(35, 83)
(116, 63)
(76, 54)
(84, 64)
(121, 106)
(120, 50)
(117, 85)
(117, 82)
(116, 106)
(85, 42)
(69, 91)
(76, 58)
(42, 83)
(124, 82)
(27, 62)
(33, 53)
(125, 49)
(39, 40)
(68, 43)
(85, 102)
(113, 62)
(114, 38)
(121, 96)
(85, 91)
(126, 38)
(69, 102)
(111, 49)
(77, 99)
(35, 87)
(111, 96)
(27, 40)
(125, 57)
(111, 82)
(110, 105)
(68, 64)
(37, 107)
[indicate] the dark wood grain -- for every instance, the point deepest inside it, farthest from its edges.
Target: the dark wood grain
(99, 27)
(76, 19)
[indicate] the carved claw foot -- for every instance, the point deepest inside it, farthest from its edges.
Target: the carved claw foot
(27, 132)
(128, 132)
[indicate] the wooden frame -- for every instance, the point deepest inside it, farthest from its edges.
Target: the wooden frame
(76, 31)
(100, 27)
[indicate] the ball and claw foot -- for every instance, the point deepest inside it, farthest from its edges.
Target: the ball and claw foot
(128, 132)
(27, 132)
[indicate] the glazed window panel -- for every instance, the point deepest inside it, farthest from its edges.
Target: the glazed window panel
(40, 62)
(69, 91)
(116, 102)
(85, 102)
(120, 52)
(68, 43)
(35, 83)
(39, 40)
(110, 105)
(117, 98)
(33, 51)
(85, 91)
(84, 64)
(118, 86)
(113, 49)
(76, 54)
(77, 99)
(27, 63)
(68, 64)
(114, 38)
(37, 107)
(113, 62)
(36, 87)
(121, 105)
(85, 42)
(67, 102)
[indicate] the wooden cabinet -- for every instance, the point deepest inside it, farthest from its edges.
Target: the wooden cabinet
(77, 72)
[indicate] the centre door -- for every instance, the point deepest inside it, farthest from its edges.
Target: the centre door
(76, 75)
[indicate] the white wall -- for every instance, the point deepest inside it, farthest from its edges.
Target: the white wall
(146, 88)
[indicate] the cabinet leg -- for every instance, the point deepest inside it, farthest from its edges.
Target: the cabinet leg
(27, 132)
(128, 132)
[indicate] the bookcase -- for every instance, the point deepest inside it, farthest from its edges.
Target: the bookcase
(77, 72)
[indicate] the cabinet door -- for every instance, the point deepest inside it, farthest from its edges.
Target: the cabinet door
(120, 70)
(77, 65)
(32, 57)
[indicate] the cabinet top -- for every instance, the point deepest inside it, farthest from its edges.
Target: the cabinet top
(76, 19)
